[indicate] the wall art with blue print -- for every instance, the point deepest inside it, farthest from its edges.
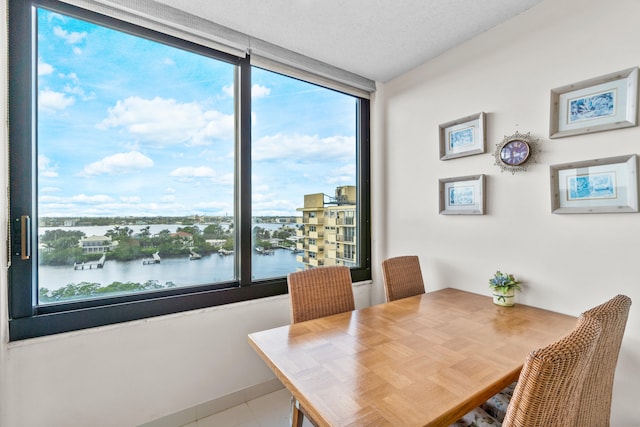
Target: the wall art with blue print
(595, 186)
(592, 186)
(461, 138)
(462, 196)
(593, 106)
(598, 104)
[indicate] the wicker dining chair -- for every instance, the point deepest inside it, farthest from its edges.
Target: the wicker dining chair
(548, 390)
(320, 292)
(402, 277)
(595, 399)
(315, 293)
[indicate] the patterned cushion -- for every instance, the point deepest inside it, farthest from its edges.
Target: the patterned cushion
(477, 418)
(496, 406)
(509, 389)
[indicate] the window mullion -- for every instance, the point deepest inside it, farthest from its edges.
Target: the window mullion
(364, 191)
(243, 175)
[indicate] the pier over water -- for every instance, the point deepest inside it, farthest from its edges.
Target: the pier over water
(90, 265)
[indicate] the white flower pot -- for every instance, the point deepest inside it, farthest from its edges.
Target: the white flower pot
(504, 297)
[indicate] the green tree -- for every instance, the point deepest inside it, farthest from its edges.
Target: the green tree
(261, 233)
(61, 247)
(88, 290)
(214, 231)
(61, 239)
(228, 245)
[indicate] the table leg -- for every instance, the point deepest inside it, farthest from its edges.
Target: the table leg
(297, 416)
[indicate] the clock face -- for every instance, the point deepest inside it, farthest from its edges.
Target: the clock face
(515, 153)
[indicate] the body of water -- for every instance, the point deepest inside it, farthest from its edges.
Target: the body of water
(180, 271)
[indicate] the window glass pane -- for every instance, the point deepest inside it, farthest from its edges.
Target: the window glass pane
(135, 182)
(303, 167)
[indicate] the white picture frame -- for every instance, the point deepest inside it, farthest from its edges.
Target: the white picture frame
(599, 104)
(462, 137)
(463, 195)
(595, 186)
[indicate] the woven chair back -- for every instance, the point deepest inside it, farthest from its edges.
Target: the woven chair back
(595, 399)
(320, 292)
(548, 390)
(402, 277)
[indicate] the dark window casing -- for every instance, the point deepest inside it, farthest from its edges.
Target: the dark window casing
(26, 318)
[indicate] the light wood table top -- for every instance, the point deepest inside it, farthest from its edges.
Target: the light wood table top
(419, 361)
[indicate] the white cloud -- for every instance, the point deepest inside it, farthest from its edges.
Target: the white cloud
(338, 180)
(258, 91)
(72, 76)
(74, 88)
(52, 16)
(166, 121)
(213, 208)
(304, 147)
(49, 190)
(218, 126)
(168, 61)
(121, 163)
(226, 179)
(275, 207)
(260, 188)
(46, 168)
(193, 172)
(51, 101)
(343, 175)
(130, 199)
(77, 90)
(44, 68)
(96, 198)
(71, 38)
(76, 50)
(78, 199)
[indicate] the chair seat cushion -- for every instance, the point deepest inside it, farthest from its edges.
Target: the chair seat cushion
(496, 406)
(477, 417)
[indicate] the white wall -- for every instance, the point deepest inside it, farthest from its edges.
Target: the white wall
(568, 263)
(130, 374)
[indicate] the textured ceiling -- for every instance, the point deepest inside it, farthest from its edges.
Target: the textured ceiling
(377, 39)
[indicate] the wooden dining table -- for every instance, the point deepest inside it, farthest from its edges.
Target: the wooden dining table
(419, 361)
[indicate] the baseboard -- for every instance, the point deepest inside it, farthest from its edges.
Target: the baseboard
(211, 407)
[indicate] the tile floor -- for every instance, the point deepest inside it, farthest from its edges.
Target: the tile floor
(271, 410)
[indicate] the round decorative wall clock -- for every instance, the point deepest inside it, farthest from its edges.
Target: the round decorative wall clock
(515, 152)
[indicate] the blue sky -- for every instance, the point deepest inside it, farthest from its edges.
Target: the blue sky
(127, 126)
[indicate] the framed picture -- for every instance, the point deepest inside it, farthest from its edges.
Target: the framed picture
(595, 186)
(462, 137)
(462, 196)
(599, 104)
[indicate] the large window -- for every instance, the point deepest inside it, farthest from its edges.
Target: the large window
(151, 175)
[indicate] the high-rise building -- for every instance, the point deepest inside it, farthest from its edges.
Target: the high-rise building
(328, 232)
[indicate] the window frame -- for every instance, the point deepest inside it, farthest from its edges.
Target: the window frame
(29, 320)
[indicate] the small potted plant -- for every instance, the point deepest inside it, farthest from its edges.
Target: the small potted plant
(504, 287)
